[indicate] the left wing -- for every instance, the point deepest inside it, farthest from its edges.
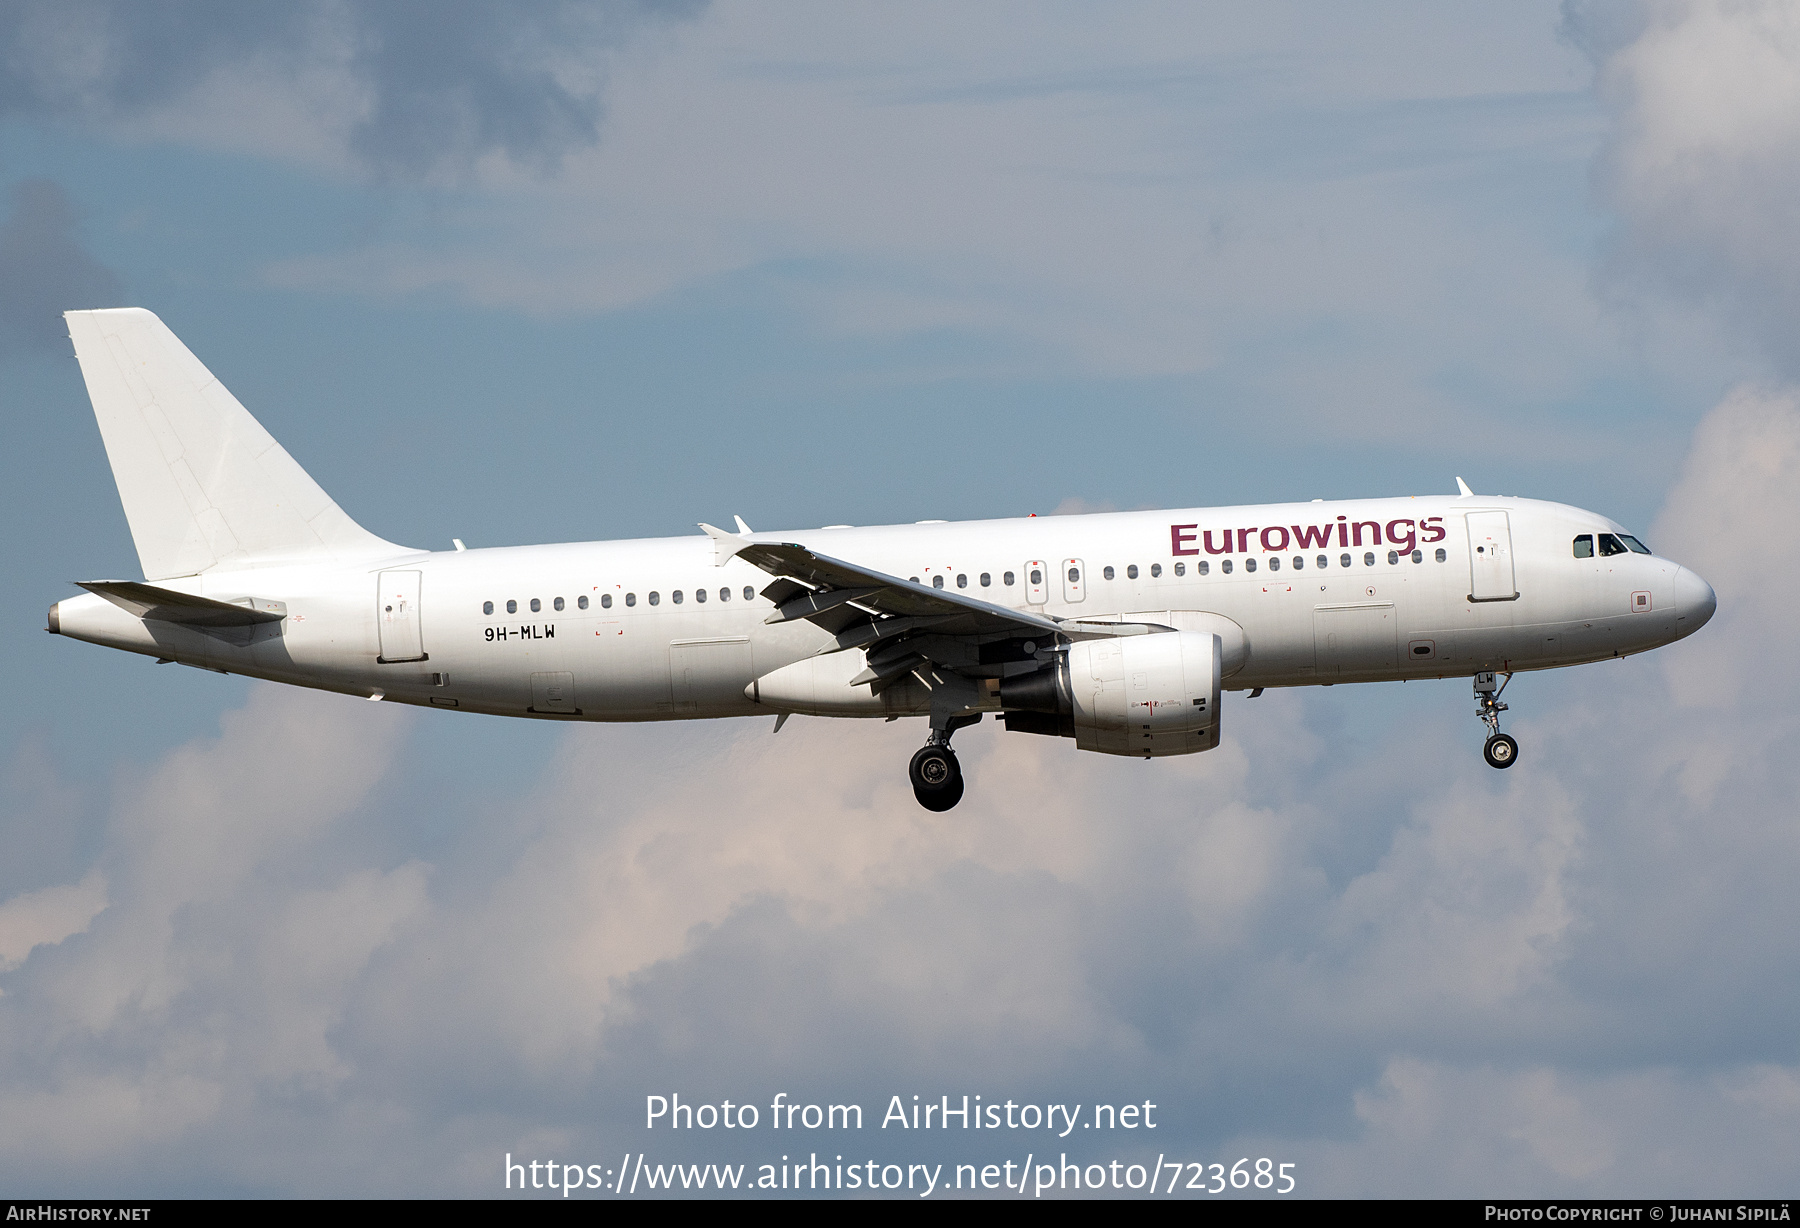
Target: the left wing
(901, 623)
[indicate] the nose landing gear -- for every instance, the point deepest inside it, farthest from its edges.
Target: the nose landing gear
(1500, 750)
(937, 778)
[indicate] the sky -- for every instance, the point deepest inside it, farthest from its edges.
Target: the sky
(572, 270)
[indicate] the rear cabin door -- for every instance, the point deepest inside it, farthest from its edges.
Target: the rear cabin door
(397, 616)
(1490, 557)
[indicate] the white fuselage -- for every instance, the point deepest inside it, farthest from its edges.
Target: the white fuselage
(1401, 591)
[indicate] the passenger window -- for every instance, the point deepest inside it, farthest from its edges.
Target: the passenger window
(1393, 557)
(1441, 555)
(536, 605)
(749, 593)
(676, 595)
(512, 607)
(1202, 567)
(581, 602)
(1225, 567)
(1610, 545)
(962, 581)
(1299, 562)
(655, 597)
(1007, 579)
(699, 594)
(557, 605)
(1275, 564)
(1637, 547)
(487, 607)
(1343, 560)
(606, 601)
(912, 579)
(1323, 561)
(1418, 556)
(724, 594)
(1181, 569)
(1156, 571)
(630, 598)
(1584, 546)
(1369, 559)
(1037, 577)
(1249, 564)
(987, 580)
(1131, 572)
(1106, 573)
(1074, 575)
(937, 582)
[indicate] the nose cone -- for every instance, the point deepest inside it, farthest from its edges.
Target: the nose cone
(1695, 602)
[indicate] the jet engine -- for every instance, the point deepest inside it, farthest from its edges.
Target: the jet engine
(1145, 695)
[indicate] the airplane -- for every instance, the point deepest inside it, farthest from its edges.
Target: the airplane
(1119, 630)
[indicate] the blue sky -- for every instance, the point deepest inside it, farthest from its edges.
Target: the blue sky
(606, 270)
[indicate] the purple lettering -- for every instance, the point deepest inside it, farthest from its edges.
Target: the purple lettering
(1343, 531)
(1269, 545)
(1313, 536)
(1374, 532)
(1206, 540)
(1243, 537)
(1433, 529)
(1179, 539)
(1405, 543)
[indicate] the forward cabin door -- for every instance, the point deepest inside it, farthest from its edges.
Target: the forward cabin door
(1490, 557)
(397, 616)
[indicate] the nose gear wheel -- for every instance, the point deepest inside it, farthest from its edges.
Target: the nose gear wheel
(1500, 750)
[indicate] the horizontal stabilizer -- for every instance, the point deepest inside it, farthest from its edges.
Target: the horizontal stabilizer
(167, 606)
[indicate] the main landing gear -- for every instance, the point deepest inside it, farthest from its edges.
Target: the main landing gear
(937, 778)
(1500, 750)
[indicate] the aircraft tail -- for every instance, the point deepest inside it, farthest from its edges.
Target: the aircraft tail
(202, 482)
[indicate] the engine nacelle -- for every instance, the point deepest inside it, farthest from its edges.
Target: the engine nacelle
(1145, 695)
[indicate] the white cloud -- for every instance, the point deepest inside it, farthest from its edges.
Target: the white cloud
(1703, 168)
(46, 917)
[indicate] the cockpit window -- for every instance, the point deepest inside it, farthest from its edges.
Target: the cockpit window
(1610, 545)
(1637, 547)
(1584, 546)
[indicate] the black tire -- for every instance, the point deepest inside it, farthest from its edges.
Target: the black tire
(937, 778)
(1501, 751)
(934, 769)
(942, 799)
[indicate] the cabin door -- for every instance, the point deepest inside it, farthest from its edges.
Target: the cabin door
(1490, 557)
(397, 616)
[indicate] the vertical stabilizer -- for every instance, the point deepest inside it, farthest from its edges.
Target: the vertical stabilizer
(203, 484)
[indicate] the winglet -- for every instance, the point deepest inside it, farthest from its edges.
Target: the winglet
(743, 528)
(725, 545)
(1463, 487)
